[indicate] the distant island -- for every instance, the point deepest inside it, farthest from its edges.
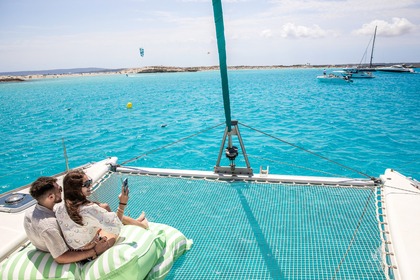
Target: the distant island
(22, 76)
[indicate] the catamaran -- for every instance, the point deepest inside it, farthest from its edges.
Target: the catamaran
(263, 226)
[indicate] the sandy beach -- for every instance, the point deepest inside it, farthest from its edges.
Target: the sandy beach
(164, 69)
(127, 71)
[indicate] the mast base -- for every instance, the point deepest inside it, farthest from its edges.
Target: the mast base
(234, 171)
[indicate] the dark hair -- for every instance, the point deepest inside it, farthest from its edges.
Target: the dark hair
(73, 195)
(41, 186)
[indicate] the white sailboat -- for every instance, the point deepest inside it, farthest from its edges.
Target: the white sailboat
(360, 71)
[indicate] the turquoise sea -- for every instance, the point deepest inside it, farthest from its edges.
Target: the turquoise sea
(369, 125)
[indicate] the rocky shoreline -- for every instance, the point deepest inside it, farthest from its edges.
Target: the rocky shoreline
(157, 69)
(11, 79)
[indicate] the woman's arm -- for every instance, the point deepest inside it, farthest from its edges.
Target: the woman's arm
(123, 197)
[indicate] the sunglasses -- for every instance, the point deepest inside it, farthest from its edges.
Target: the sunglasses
(87, 183)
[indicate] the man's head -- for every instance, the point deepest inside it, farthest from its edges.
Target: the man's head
(46, 188)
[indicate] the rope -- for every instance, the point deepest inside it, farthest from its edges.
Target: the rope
(400, 189)
(170, 144)
(354, 234)
(410, 162)
(310, 152)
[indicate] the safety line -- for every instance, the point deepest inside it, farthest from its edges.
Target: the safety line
(308, 151)
(170, 144)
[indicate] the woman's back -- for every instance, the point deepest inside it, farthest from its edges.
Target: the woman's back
(94, 218)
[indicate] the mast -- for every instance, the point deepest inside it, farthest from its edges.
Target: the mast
(221, 46)
(232, 128)
(373, 45)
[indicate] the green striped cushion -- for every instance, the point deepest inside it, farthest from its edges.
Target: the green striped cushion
(176, 245)
(31, 263)
(137, 254)
(137, 250)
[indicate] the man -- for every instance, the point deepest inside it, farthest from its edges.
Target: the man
(43, 230)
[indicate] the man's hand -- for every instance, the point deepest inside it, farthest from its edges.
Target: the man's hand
(102, 245)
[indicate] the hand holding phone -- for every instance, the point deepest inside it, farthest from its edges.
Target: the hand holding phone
(125, 184)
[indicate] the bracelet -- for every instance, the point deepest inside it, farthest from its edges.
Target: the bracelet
(123, 203)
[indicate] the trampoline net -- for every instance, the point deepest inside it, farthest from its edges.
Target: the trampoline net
(248, 230)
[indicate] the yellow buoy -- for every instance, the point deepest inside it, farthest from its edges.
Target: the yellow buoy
(129, 105)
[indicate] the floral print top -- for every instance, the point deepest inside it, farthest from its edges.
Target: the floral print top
(95, 218)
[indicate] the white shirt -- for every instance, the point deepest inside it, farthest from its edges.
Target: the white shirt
(43, 231)
(95, 218)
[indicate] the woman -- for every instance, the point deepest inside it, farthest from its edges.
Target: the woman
(83, 222)
(141, 221)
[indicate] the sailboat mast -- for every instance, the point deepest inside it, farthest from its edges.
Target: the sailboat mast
(221, 46)
(232, 128)
(373, 45)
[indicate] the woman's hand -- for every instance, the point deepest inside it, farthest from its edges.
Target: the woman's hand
(123, 197)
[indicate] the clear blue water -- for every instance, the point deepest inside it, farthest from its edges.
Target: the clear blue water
(369, 125)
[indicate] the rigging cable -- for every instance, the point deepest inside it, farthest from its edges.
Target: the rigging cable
(308, 151)
(295, 165)
(359, 223)
(170, 144)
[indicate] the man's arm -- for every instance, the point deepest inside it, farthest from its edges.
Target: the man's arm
(75, 256)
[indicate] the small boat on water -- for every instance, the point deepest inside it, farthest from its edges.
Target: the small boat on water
(356, 73)
(335, 77)
(397, 68)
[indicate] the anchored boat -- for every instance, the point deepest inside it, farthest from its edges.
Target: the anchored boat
(361, 71)
(355, 73)
(339, 77)
(396, 69)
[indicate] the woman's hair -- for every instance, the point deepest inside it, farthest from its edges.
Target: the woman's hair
(42, 186)
(73, 195)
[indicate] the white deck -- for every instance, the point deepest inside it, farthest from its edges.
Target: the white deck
(402, 207)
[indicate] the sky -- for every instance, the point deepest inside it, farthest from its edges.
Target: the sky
(51, 34)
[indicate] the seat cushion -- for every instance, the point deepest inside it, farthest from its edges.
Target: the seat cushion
(137, 254)
(132, 257)
(176, 245)
(30, 263)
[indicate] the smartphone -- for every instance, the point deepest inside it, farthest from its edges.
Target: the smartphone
(125, 184)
